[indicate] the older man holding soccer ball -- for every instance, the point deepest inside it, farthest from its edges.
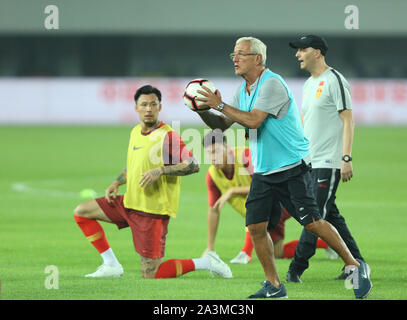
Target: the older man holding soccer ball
(280, 156)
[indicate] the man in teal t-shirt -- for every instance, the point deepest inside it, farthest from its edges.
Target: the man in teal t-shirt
(280, 156)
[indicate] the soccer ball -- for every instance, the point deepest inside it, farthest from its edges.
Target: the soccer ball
(191, 93)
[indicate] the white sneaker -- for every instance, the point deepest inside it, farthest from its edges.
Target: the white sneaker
(241, 258)
(331, 254)
(216, 265)
(106, 270)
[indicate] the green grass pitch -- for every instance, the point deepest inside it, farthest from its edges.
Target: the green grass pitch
(43, 169)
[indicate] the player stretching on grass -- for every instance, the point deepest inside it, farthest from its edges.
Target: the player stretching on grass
(228, 180)
(280, 155)
(156, 159)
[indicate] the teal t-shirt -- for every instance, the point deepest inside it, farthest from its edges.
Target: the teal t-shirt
(278, 142)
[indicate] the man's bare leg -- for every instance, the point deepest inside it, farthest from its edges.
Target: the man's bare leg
(86, 216)
(265, 252)
(330, 235)
(278, 249)
(91, 210)
(149, 267)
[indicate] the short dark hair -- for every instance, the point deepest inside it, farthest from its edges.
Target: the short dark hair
(147, 89)
(214, 136)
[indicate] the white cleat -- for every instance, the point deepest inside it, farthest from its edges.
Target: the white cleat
(216, 265)
(106, 270)
(241, 258)
(331, 254)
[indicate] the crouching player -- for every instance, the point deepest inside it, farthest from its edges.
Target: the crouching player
(228, 180)
(156, 159)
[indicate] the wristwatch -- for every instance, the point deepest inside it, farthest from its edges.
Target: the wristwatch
(221, 106)
(347, 158)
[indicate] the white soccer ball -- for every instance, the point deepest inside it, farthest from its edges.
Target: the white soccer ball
(191, 93)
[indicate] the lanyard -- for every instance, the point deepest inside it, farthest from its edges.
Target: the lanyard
(252, 96)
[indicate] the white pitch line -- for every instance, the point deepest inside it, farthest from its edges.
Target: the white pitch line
(23, 187)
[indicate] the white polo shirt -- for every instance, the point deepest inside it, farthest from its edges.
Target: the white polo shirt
(323, 98)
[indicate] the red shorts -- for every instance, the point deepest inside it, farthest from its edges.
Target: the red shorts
(149, 230)
(278, 233)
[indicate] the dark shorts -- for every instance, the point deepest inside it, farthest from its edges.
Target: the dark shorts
(293, 188)
(149, 230)
(278, 233)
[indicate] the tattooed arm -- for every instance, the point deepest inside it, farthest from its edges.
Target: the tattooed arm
(184, 168)
(122, 178)
(114, 187)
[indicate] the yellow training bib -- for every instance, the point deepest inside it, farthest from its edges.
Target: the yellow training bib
(145, 152)
(241, 177)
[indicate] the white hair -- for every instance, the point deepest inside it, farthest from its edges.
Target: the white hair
(256, 46)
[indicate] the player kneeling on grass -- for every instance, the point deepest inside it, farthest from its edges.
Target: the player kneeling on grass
(228, 180)
(156, 159)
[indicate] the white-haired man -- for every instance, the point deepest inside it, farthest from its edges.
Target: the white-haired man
(280, 156)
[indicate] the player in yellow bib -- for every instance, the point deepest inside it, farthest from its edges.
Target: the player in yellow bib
(228, 180)
(156, 159)
(149, 146)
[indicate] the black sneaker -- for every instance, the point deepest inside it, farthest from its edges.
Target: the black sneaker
(293, 277)
(269, 291)
(362, 287)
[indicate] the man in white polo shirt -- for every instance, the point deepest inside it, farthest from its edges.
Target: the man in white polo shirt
(328, 124)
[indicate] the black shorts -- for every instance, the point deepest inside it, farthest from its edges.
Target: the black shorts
(292, 187)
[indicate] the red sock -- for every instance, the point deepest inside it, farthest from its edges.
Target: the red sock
(174, 268)
(248, 244)
(322, 244)
(93, 231)
(289, 249)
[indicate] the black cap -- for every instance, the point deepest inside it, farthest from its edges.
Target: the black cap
(310, 41)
